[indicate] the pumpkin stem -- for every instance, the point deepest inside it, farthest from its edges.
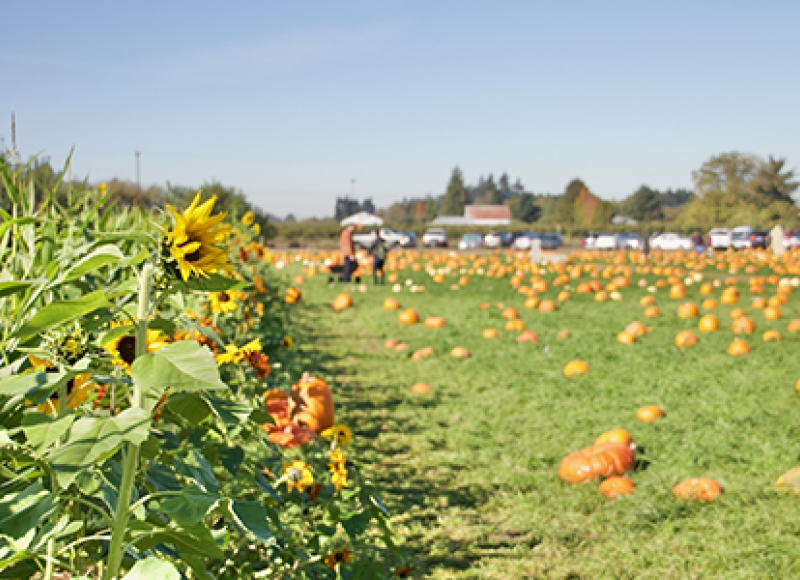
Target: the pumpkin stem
(306, 377)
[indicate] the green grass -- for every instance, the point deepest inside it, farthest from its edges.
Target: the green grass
(470, 470)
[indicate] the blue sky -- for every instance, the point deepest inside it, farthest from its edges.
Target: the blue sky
(290, 101)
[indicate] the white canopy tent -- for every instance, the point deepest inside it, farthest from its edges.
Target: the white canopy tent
(362, 218)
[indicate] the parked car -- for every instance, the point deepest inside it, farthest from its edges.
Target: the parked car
(759, 239)
(670, 241)
(631, 241)
(740, 237)
(721, 238)
(434, 238)
(523, 241)
(551, 241)
(608, 242)
(470, 242)
(792, 239)
(411, 240)
(394, 239)
(589, 240)
(493, 240)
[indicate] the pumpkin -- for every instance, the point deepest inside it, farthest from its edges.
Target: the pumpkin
(685, 338)
(698, 489)
(743, 325)
(647, 301)
(563, 296)
(600, 460)
(422, 353)
(547, 306)
(706, 288)
(709, 304)
(794, 325)
(292, 295)
(390, 343)
(311, 404)
(737, 313)
(438, 278)
(789, 482)
(625, 337)
(460, 352)
(709, 323)
(434, 322)
(391, 304)
(392, 278)
(652, 312)
(342, 302)
(575, 367)
(463, 281)
(616, 486)
(771, 336)
(489, 333)
(531, 303)
(688, 310)
(772, 313)
(739, 347)
(650, 413)
(420, 388)
(677, 291)
(730, 296)
(510, 313)
(514, 325)
(408, 316)
(601, 296)
(401, 346)
(759, 303)
(527, 336)
(562, 334)
(777, 300)
(299, 279)
(484, 305)
(616, 436)
(636, 329)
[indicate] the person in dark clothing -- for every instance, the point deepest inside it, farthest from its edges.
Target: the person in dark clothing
(646, 244)
(346, 247)
(379, 252)
(697, 243)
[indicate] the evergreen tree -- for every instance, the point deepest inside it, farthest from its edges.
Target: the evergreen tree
(455, 198)
(565, 211)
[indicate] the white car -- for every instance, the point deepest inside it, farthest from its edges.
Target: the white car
(721, 238)
(609, 242)
(670, 241)
(493, 240)
(393, 238)
(434, 238)
(740, 237)
(792, 239)
(524, 241)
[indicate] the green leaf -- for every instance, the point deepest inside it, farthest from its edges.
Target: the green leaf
(189, 508)
(192, 540)
(42, 431)
(251, 517)
(22, 511)
(214, 283)
(24, 384)
(356, 525)
(153, 569)
(18, 286)
(59, 313)
(198, 468)
(231, 458)
(190, 406)
(184, 366)
(102, 256)
(117, 332)
(228, 412)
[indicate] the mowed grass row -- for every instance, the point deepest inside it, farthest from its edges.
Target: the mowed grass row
(470, 470)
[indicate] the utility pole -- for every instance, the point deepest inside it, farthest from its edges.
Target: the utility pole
(138, 173)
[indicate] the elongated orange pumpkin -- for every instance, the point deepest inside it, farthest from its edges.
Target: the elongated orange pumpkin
(434, 322)
(311, 403)
(616, 486)
(649, 414)
(601, 460)
(575, 367)
(698, 489)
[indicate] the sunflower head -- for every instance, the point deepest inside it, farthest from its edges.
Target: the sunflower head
(123, 348)
(78, 390)
(338, 557)
(193, 243)
(339, 433)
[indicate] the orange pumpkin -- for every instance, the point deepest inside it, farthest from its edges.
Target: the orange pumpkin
(311, 404)
(677, 291)
(514, 325)
(422, 353)
(601, 296)
(699, 489)
(401, 346)
(531, 303)
(709, 304)
(510, 313)
(709, 323)
(575, 367)
(650, 413)
(434, 322)
(463, 281)
(391, 304)
(759, 303)
(460, 352)
(408, 316)
(562, 334)
(685, 338)
(625, 337)
(420, 388)
(616, 436)
(771, 336)
(730, 296)
(292, 295)
(489, 333)
(737, 313)
(743, 325)
(636, 329)
(794, 325)
(547, 306)
(391, 343)
(688, 310)
(299, 279)
(600, 460)
(772, 313)
(527, 336)
(342, 302)
(647, 300)
(652, 312)
(739, 347)
(616, 486)
(706, 288)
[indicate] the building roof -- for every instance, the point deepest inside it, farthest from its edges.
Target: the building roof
(451, 220)
(487, 212)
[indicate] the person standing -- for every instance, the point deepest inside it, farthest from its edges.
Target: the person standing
(776, 239)
(346, 247)
(646, 244)
(697, 242)
(379, 252)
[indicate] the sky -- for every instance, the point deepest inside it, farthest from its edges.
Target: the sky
(296, 103)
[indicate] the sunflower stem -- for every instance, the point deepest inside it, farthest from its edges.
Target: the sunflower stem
(130, 462)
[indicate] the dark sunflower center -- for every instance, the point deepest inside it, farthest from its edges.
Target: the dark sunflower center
(194, 256)
(339, 556)
(127, 349)
(224, 297)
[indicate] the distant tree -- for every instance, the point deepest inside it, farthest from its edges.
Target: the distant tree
(643, 205)
(431, 208)
(455, 198)
(397, 213)
(723, 184)
(290, 218)
(565, 211)
(419, 209)
(504, 187)
(523, 207)
(771, 183)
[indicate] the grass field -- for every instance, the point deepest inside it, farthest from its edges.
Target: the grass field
(470, 469)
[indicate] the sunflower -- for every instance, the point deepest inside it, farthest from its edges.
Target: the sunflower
(338, 468)
(248, 218)
(298, 475)
(339, 433)
(123, 349)
(287, 342)
(192, 242)
(338, 557)
(225, 301)
(234, 354)
(78, 389)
